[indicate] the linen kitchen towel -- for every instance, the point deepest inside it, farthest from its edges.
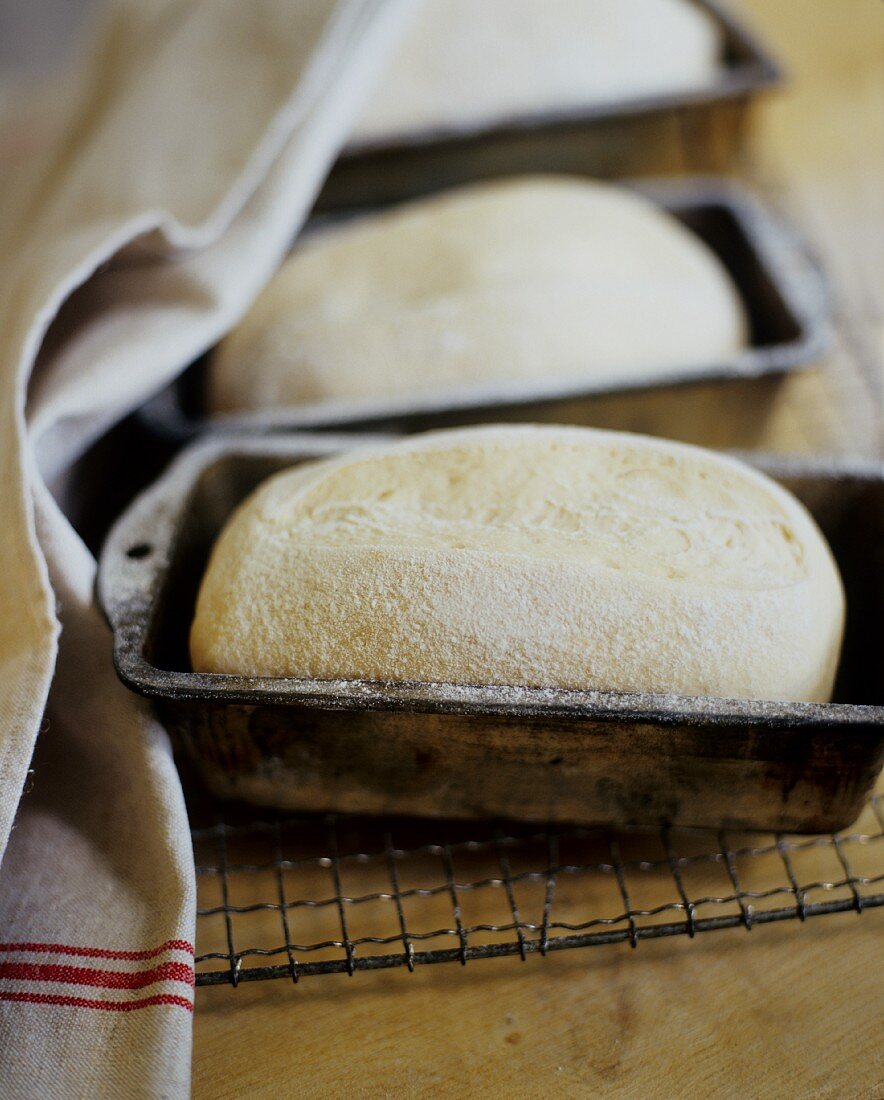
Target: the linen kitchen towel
(189, 144)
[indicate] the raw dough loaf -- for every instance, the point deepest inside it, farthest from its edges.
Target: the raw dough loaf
(539, 278)
(465, 64)
(543, 556)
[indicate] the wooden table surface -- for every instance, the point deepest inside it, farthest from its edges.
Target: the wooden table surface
(786, 1010)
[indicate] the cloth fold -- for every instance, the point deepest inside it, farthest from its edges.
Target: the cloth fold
(198, 138)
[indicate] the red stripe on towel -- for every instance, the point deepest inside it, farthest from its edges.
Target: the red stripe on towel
(98, 952)
(103, 979)
(107, 1006)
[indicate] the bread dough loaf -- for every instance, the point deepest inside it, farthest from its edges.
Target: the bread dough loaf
(541, 556)
(467, 64)
(539, 278)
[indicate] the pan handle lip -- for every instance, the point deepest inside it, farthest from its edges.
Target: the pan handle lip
(140, 546)
(137, 552)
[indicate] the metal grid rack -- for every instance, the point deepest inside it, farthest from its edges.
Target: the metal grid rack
(298, 896)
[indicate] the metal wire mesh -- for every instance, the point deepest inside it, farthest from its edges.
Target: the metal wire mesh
(298, 896)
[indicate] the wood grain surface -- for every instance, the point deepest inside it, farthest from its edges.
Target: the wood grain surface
(784, 1010)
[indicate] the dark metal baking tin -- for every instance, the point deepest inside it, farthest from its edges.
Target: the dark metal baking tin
(484, 750)
(724, 404)
(697, 131)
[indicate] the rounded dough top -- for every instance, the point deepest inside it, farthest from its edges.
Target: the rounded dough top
(527, 555)
(463, 64)
(526, 280)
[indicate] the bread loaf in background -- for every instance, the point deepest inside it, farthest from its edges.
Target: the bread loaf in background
(540, 556)
(537, 278)
(470, 63)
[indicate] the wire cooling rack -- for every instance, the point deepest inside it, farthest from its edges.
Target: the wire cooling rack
(297, 896)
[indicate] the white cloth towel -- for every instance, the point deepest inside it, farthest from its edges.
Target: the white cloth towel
(190, 144)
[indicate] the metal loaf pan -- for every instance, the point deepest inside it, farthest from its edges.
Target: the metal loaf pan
(725, 404)
(698, 131)
(474, 751)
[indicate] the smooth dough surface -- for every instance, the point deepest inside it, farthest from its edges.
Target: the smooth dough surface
(464, 64)
(527, 555)
(537, 278)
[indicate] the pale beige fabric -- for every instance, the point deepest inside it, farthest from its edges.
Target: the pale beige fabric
(193, 138)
